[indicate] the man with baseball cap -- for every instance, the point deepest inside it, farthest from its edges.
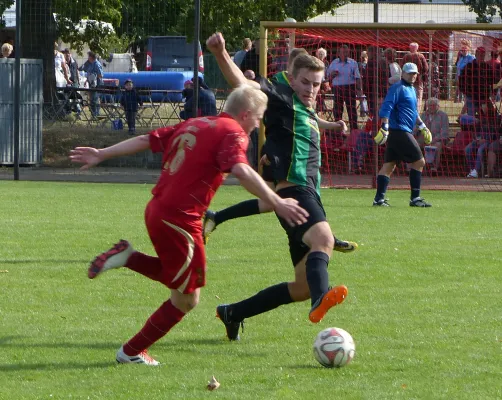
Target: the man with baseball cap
(398, 115)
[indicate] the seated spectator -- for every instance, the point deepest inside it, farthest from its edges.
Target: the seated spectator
(364, 144)
(493, 152)
(130, 100)
(475, 151)
(437, 122)
(7, 50)
(206, 102)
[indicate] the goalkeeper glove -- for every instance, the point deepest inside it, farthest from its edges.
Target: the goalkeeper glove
(426, 133)
(383, 133)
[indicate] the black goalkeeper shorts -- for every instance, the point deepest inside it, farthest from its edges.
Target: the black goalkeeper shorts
(402, 146)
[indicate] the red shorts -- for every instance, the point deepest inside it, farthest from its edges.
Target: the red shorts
(180, 247)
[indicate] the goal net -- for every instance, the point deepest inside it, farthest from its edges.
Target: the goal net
(458, 98)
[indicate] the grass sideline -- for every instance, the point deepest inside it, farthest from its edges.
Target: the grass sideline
(424, 301)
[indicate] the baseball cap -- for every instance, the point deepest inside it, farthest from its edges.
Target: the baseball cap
(410, 68)
(189, 82)
(127, 81)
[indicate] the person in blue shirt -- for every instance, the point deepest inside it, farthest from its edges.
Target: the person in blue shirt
(94, 71)
(398, 115)
(206, 103)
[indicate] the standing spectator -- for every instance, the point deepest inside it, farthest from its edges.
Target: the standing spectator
(417, 58)
(393, 68)
(346, 85)
(94, 71)
(130, 100)
(7, 50)
(239, 56)
(252, 59)
(464, 57)
(437, 122)
(476, 82)
(363, 63)
(375, 79)
(435, 77)
(74, 77)
(399, 116)
(10, 41)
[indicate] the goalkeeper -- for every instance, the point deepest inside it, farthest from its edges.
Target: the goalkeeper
(398, 116)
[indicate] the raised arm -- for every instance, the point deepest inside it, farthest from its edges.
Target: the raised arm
(231, 72)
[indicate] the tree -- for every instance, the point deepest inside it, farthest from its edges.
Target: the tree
(485, 9)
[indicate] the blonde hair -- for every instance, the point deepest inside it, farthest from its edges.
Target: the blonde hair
(466, 42)
(246, 43)
(7, 47)
(244, 98)
(293, 54)
(307, 61)
(321, 53)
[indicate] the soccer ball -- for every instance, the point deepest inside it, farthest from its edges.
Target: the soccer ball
(334, 348)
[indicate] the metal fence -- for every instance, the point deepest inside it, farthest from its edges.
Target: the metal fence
(30, 132)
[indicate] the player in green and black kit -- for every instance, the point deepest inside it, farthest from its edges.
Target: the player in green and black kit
(293, 136)
(255, 206)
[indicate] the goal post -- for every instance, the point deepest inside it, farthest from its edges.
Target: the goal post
(472, 105)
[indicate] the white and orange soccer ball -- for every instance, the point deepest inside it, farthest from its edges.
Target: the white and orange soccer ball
(334, 348)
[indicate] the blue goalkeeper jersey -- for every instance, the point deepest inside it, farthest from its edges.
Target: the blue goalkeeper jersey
(400, 106)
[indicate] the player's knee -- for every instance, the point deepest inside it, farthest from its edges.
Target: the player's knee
(323, 242)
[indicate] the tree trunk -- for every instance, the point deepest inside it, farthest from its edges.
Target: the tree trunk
(38, 34)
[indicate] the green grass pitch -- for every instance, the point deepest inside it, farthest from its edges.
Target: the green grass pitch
(424, 305)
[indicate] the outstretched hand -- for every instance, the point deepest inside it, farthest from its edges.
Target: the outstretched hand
(216, 43)
(289, 210)
(89, 156)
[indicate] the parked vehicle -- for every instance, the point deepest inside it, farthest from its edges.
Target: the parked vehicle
(165, 53)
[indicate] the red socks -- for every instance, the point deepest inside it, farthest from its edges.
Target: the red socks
(160, 322)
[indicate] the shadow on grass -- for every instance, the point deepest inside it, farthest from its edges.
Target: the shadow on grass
(306, 366)
(55, 366)
(46, 261)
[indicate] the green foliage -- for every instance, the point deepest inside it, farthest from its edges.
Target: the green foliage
(423, 307)
(4, 5)
(485, 9)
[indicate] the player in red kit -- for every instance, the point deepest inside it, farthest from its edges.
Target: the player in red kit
(196, 156)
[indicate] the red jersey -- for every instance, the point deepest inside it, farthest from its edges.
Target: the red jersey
(196, 155)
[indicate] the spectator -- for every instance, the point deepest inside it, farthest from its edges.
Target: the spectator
(239, 56)
(94, 72)
(130, 100)
(74, 78)
(375, 79)
(437, 122)
(322, 55)
(10, 41)
(476, 82)
(364, 144)
(493, 151)
(464, 57)
(346, 85)
(252, 59)
(393, 68)
(417, 58)
(7, 50)
(435, 78)
(206, 103)
(249, 74)
(486, 137)
(363, 63)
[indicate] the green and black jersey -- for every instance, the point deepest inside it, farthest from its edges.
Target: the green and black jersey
(293, 138)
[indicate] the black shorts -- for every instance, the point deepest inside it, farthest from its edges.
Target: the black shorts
(309, 199)
(402, 146)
